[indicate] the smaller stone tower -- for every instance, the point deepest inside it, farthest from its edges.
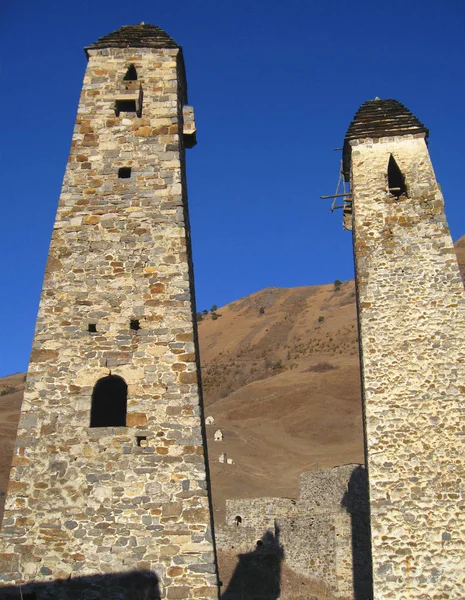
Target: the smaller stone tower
(108, 495)
(411, 307)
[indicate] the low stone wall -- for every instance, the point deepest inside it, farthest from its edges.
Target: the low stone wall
(260, 513)
(237, 539)
(309, 545)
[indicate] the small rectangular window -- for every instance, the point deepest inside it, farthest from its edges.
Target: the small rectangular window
(124, 172)
(134, 324)
(92, 328)
(128, 106)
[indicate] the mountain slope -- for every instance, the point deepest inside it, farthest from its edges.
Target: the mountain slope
(281, 378)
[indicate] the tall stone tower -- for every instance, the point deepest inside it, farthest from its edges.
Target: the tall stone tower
(108, 491)
(411, 306)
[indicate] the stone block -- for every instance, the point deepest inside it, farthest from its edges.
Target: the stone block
(136, 419)
(188, 377)
(39, 356)
(178, 592)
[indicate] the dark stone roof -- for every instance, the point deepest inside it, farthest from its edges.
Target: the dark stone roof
(380, 118)
(135, 36)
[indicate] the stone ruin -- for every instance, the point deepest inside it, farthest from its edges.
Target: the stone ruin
(324, 534)
(224, 460)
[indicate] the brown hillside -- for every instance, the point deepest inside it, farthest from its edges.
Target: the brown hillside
(281, 376)
(282, 384)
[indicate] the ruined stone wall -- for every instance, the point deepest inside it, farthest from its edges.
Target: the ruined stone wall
(106, 500)
(259, 512)
(309, 545)
(412, 324)
(324, 534)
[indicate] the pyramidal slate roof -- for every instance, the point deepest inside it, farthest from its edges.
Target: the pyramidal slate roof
(135, 36)
(380, 118)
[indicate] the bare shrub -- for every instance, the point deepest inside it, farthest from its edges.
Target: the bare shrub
(321, 367)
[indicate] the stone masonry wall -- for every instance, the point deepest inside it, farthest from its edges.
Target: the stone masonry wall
(112, 500)
(412, 323)
(324, 535)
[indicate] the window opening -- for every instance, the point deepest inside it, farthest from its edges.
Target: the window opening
(396, 181)
(238, 520)
(92, 328)
(131, 74)
(128, 106)
(109, 402)
(134, 325)
(142, 441)
(124, 173)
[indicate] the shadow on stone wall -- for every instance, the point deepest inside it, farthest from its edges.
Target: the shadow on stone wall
(135, 585)
(258, 573)
(356, 503)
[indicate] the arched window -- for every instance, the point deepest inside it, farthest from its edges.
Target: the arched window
(109, 402)
(131, 74)
(396, 181)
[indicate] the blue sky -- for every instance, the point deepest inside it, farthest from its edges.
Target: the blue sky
(274, 86)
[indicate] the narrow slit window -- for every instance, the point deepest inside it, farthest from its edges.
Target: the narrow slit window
(124, 173)
(131, 74)
(127, 106)
(396, 181)
(109, 402)
(92, 328)
(134, 324)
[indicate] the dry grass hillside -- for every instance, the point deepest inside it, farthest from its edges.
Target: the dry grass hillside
(281, 376)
